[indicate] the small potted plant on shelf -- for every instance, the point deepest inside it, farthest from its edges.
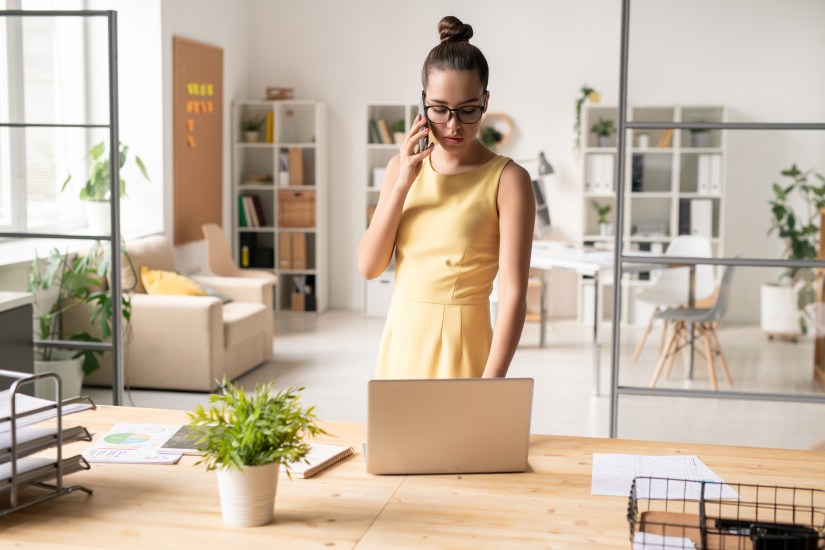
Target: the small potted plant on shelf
(246, 438)
(602, 210)
(78, 280)
(96, 191)
(787, 305)
(399, 134)
(587, 93)
(490, 137)
(604, 128)
(700, 137)
(251, 126)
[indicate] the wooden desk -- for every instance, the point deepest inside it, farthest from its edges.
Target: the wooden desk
(139, 506)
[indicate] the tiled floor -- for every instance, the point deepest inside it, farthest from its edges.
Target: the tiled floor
(333, 357)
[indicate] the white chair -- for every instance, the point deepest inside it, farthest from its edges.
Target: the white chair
(704, 321)
(671, 287)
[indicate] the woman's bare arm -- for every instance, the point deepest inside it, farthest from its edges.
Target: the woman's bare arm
(517, 217)
(375, 249)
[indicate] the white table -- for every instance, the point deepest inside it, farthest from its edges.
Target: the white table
(598, 264)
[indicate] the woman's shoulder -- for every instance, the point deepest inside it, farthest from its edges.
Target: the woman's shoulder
(513, 171)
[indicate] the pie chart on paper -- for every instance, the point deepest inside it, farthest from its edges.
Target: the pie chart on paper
(127, 438)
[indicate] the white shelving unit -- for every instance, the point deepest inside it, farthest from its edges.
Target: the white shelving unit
(676, 182)
(285, 173)
(377, 292)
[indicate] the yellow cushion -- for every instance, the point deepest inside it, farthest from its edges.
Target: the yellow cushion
(157, 281)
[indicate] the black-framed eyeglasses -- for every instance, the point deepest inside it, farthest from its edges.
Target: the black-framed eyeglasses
(438, 114)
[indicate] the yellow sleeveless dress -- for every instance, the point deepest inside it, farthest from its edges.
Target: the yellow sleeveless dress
(446, 259)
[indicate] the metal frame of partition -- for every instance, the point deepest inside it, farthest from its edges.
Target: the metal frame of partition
(621, 259)
(116, 345)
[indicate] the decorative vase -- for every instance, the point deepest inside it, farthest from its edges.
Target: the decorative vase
(251, 136)
(98, 216)
(779, 312)
(248, 495)
(644, 141)
(70, 372)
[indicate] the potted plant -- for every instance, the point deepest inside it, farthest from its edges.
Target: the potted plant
(786, 306)
(251, 126)
(586, 93)
(77, 282)
(700, 137)
(398, 130)
(602, 210)
(246, 438)
(96, 191)
(490, 137)
(604, 128)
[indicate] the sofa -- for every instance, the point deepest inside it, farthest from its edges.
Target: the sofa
(190, 342)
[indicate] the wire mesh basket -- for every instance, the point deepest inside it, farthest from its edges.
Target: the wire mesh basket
(674, 513)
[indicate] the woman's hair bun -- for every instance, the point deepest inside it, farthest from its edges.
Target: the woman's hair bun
(452, 29)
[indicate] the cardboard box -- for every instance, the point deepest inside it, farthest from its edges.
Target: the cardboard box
(284, 251)
(299, 251)
(296, 208)
(297, 301)
(296, 166)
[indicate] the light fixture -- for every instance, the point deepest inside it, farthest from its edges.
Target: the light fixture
(545, 168)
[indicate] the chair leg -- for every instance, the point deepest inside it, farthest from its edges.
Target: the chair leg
(678, 326)
(644, 336)
(662, 339)
(662, 358)
(709, 356)
(718, 347)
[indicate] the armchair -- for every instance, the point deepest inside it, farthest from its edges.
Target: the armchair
(189, 342)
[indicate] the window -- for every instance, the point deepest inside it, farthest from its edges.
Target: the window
(43, 71)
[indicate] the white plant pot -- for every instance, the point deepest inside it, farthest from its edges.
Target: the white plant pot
(779, 314)
(605, 229)
(251, 137)
(98, 216)
(399, 137)
(248, 495)
(70, 372)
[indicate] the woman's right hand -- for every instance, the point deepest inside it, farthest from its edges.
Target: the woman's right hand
(410, 160)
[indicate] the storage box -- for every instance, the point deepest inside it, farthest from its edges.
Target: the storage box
(284, 251)
(297, 301)
(299, 250)
(296, 208)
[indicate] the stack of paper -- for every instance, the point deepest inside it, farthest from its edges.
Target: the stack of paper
(679, 477)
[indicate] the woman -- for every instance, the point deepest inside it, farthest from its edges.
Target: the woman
(456, 214)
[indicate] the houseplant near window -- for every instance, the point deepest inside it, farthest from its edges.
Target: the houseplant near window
(77, 281)
(604, 128)
(586, 93)
(246, 438)
(786, 306)
(96, 191)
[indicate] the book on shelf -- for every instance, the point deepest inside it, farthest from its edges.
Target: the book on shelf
(667, 137)
(299, 250)
(241, 213)
(284, 251)
(701, 218)
(375, 135)
(258, 208)
(384, 130)
(320, 457)
(716, 175)
(599, 177)
(270, 127)
(296, 166)
(637, 174)
(703, 174)
(249, 211)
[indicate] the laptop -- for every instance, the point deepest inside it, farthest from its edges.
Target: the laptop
(452, 426)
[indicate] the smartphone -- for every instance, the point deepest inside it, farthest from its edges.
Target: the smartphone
(424, 142)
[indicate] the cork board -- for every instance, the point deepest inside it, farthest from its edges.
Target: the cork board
(198, 137)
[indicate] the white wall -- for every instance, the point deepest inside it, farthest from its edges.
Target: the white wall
(223, 24)
(757, 58)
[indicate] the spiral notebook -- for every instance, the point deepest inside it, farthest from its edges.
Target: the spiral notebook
(320, 457)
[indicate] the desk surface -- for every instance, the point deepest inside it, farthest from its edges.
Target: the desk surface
(155, 506)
